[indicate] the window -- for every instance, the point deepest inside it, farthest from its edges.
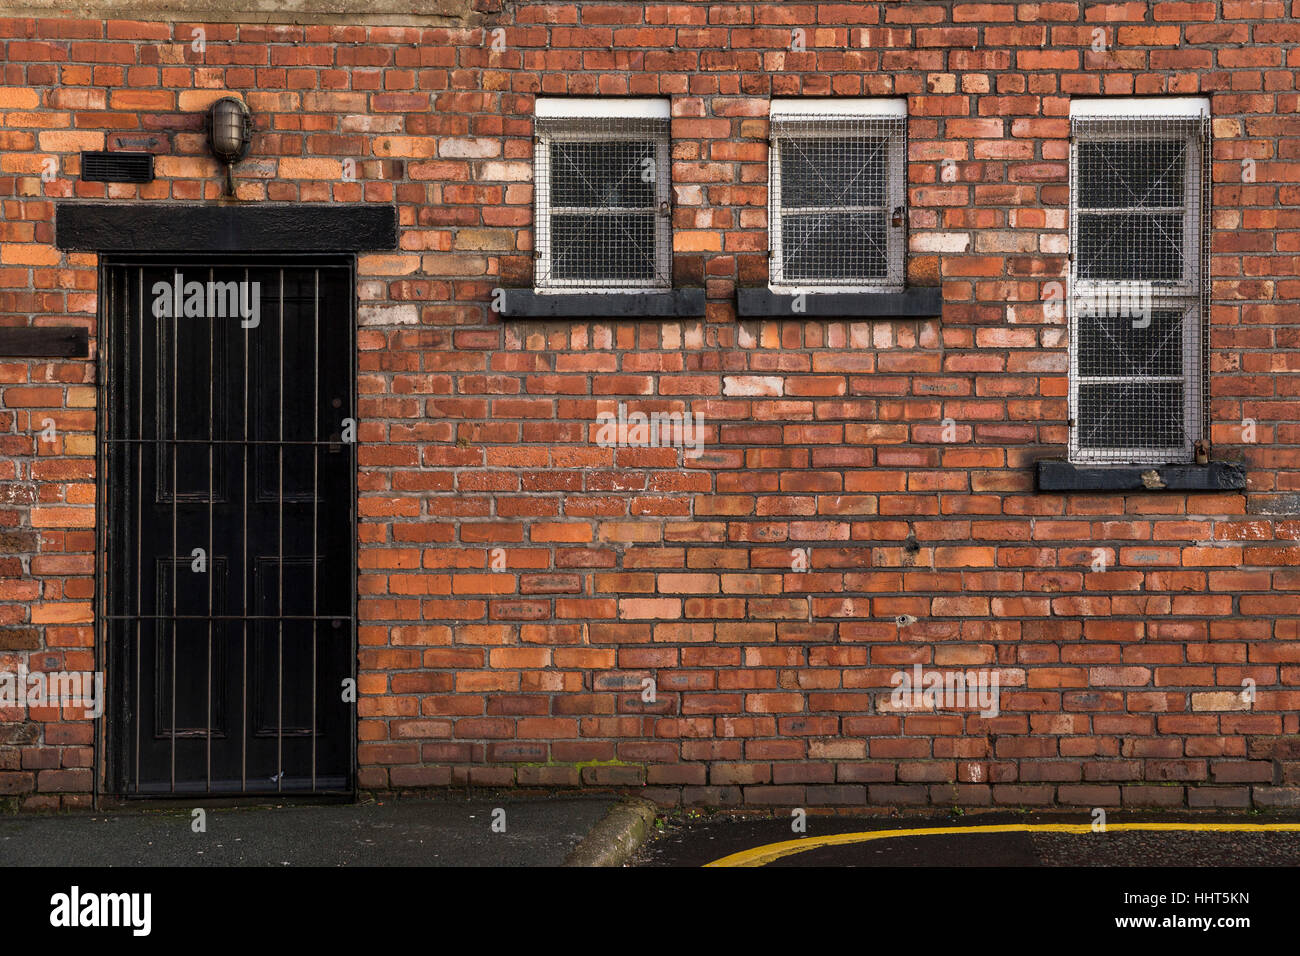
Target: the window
(602, 185)
(1139, 284)
(837, 197)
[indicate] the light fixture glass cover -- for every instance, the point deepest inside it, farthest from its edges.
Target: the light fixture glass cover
(228, 130)
(229, 134)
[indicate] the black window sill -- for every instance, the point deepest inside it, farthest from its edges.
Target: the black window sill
(668, 304)
(917, 303)
(1056, 475)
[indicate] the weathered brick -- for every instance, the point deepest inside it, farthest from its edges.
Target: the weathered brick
(863, 498)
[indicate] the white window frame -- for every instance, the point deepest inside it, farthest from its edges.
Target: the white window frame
(1189, 293)
(895, 188)
(600, 108)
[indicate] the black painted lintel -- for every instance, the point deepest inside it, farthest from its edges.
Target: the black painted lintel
(44, 341)
(915, 303)
(1057, 475)
(668, 304)
(149, 227)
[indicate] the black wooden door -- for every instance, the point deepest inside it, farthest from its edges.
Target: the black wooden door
(228, 568)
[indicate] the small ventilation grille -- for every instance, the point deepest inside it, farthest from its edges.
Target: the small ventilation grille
(104, 167)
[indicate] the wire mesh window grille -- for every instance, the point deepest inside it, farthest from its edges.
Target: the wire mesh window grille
(603, 204)
(1139, 288)
(837, 202)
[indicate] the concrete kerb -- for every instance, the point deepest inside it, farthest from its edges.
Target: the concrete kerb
(614, 840)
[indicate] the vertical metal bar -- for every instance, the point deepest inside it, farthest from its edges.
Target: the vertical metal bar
(104, 419)
(1205, 144)
(211, 556)
(279, 605)
(139, 520)
(243, 561)
(176, 418)
(350, 449)
(315, 505)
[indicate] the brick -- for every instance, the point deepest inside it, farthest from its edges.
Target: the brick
(19, 98)
(864, 496)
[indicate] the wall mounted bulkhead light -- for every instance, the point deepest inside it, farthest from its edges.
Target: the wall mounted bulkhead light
(230, 132)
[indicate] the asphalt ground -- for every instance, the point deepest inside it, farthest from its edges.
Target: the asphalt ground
(692, 841)
(403, 833)
(317, 873)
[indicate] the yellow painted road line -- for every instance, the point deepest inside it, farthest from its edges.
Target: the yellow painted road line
(763, 855)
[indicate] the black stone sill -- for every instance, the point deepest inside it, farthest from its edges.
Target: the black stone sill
(1056, 475)
(917, 303)
(668, 304)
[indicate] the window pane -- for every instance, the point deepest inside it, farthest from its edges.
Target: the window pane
(835, 171)
(834, 246)
(1127, 341)
(1130, 246)
(1132, 174)
(607, 174)
(1130, 415)
(596, 247)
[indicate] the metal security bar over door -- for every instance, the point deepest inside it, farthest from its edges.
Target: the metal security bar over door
(227, 564)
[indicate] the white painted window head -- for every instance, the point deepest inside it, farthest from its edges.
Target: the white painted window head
(1189, 107)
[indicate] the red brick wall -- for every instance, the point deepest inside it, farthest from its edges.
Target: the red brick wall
(1120, 686)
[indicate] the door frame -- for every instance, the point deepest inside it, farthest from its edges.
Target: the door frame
(110, 754)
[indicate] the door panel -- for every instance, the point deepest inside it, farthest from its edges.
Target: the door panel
(228, 540)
